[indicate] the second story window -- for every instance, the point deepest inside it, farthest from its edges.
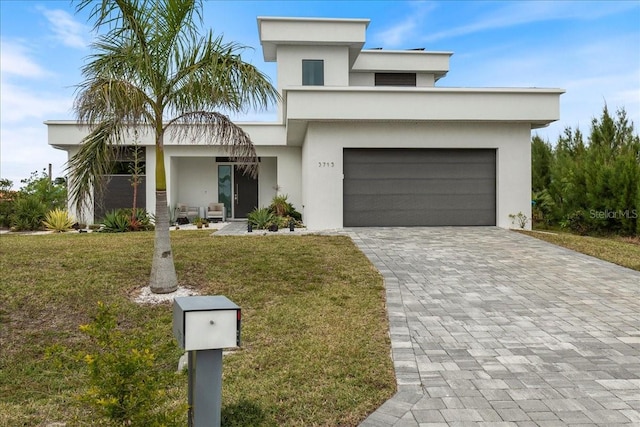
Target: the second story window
(312, 72)
(395, 79)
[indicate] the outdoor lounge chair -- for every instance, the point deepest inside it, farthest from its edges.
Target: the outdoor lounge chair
(186, 213)
(216, 211)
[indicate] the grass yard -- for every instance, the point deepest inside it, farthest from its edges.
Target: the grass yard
(315, 346)
(618, 250)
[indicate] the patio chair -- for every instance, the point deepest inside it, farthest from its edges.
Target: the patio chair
(186, 213)
(216, 211)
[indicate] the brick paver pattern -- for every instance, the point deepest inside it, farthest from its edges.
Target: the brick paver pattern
(491, 327)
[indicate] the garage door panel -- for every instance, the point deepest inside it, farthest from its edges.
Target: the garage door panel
(422, 202)
(421, 171)
(413, 218)
(418, 187)
(418, 156)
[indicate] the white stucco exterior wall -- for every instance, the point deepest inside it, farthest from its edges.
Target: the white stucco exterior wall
(323, 160)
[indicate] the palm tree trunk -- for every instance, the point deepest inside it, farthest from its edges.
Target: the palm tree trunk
(163, 271)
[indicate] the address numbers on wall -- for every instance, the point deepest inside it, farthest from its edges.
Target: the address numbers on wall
(326, 164)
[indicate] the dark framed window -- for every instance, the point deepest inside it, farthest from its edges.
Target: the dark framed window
(312, 72)
(395, 79)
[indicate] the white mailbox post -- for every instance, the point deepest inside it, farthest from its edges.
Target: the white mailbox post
(203, 326)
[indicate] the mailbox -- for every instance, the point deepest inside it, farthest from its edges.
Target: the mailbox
(206, 322)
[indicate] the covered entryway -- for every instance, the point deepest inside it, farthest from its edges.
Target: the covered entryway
(419, 187)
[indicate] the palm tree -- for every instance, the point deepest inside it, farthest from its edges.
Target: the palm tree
(151, 71)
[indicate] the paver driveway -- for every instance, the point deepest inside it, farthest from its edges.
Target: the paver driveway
(490, 327)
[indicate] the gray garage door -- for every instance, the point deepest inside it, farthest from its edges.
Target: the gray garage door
(419, 187)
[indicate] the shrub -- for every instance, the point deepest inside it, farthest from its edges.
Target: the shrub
(7, 198)
(520, 219)
(281, 207)
(125, 383)
(576, 222)
(261, 218)
(28, 214)
(122, 220)
(52, 193)
(116, 222)
(140, 219)
(58, 220)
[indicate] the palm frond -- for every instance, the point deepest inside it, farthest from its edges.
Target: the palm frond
(92, 162)
(216, 128)
(101, 99)
(211, 75)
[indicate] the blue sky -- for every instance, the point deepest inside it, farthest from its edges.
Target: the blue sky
(590, 49)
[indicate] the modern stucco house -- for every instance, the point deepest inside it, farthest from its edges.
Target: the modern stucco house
(363, 138)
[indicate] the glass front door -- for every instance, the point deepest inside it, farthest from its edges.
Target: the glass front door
(237, 191)
(224, 188)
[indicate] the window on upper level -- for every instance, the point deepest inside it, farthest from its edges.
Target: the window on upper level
(395, 79)
(312, 72)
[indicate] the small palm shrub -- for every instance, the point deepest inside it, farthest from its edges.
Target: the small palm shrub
(279, 205)
(58, 220)
(28, 214)
(283, 208)
(261, 218)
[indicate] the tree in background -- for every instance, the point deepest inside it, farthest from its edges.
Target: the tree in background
(593, 187)
(26, 208)
(541, 158)
(7, 196)
(152, 71)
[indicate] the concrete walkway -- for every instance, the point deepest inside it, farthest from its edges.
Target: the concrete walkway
(490, 327)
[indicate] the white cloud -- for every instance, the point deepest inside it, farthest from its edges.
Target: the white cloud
(18, 103)
(14, 60)
(405, 30)
(518, 13)
(24, 150)
(66, 30)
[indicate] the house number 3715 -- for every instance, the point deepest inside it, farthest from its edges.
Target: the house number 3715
(326, 164)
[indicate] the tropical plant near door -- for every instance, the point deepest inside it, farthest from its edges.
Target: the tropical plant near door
(151, 71)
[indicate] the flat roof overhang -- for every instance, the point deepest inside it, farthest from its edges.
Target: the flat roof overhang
(276, 31)
(535, 106)
(63, 134)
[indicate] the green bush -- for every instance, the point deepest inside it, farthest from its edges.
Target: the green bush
(52, 193)
(280, 213)
(261, 218)
(281, 207)
(124, 382)
(7, 198)
(576, 222)
(28, 213)
(116, 222)
(140, 219)
(123, 220)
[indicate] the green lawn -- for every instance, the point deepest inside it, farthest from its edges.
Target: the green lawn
(618, 250)
(315, 346)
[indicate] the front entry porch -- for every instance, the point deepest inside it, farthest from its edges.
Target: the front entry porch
(200, 181)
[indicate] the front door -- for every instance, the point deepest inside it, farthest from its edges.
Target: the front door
(245, 197)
